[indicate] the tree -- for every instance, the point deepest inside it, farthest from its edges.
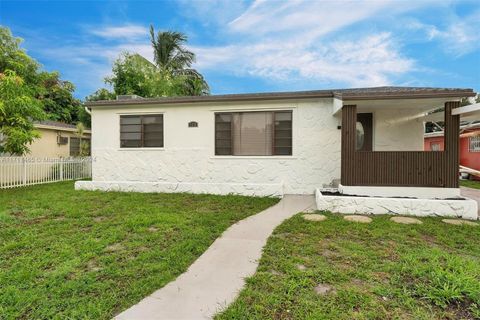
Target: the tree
(12, 57)
(170, 75)
(83, 145)
(57, 98)
(133, 74)
(101, 94)
(55, 95)
(174, 60)
(191, 83)
(169, 52)
(18, 108)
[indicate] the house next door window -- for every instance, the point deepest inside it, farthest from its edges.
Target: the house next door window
(364, 132)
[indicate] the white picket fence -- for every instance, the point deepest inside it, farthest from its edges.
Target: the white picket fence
(25, 171)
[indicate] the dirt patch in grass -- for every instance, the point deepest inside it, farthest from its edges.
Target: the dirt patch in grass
(114, 247)
(35, 220)
(93, 266)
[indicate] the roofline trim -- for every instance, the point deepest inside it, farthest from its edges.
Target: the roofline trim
(345, 96)
(407, 95)
(200, 99)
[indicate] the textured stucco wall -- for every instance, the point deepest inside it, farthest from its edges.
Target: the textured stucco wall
(396, 130)
(187, 162)
(466, 209)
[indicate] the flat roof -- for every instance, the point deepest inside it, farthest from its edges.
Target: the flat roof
(374, 93)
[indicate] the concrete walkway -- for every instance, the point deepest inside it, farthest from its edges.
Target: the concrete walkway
(473, 194)
(213, 281)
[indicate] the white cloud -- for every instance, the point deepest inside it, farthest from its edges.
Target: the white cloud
(459, 36)
(129, 31)
(283, 41)
(366, 62)
(462, 36)
(212, 12)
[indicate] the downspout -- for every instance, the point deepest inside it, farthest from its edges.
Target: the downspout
(88, 111)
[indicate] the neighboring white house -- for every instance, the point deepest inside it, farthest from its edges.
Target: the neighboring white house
(275, 143)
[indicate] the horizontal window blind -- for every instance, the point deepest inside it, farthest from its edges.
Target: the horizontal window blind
(141, 131)
(256, 133)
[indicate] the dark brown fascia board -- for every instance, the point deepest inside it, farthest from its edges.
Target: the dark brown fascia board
(206, 99)
(406, 95)
(289, 96)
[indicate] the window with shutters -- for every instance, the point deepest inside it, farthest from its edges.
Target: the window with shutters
(141, 131)
(259, 133)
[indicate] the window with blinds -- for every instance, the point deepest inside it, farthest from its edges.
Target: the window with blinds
(474, 144)
(74, 147)
(141, 131)
(253, 133)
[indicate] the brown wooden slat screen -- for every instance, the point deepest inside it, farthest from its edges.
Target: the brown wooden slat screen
(451, 136)
(399, 168)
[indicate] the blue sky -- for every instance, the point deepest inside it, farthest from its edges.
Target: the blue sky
(257, 46)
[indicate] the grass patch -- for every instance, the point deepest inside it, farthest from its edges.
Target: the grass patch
(381, 270)
(70, 254)
(470, 184)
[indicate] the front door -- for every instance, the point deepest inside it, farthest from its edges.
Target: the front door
(364, 132)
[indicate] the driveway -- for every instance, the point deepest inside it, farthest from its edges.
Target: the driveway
(472, 194)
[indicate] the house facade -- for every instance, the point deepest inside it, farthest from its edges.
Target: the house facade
(57, 139)
(356, 141)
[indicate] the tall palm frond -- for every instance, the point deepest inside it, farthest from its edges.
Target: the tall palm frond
(169, 50)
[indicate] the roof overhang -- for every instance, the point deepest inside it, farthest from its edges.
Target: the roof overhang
(466, 113)
(421, 106)
(349, 95)
(426, 94)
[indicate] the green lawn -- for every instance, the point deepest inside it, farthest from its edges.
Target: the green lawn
(69, 254)
(381, 270)
(470, 184)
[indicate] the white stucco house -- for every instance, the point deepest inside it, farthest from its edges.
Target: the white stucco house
(354, 148)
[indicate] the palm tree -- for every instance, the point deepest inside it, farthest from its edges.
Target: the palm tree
(169, 51)
(173, 59)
